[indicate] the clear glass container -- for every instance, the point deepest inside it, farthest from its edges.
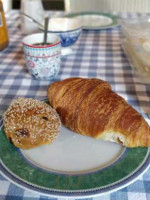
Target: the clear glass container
(136, 44)
(33, 8)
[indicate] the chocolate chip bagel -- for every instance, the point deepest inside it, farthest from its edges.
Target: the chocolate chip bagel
(29, 123)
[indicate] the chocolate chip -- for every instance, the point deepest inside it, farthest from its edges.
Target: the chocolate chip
(22, 132)
(10, 140)
(119, 141)
(45, 118)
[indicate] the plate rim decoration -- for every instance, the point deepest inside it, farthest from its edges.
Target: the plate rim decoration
(109, 15)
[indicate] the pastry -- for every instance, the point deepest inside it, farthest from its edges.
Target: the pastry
(30, 123)
(89, 107)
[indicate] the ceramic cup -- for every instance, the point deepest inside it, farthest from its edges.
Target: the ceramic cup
(42, 61)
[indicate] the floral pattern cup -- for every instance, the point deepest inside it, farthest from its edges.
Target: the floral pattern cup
(42, 61)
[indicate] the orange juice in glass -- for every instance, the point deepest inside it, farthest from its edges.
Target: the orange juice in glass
(3, 29)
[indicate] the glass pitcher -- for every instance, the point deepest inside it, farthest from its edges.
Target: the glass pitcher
(33, 8)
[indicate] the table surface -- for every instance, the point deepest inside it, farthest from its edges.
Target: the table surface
(96, 54)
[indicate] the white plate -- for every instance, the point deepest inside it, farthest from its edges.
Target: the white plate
(73, 166)
(74, 153)
(95, 21)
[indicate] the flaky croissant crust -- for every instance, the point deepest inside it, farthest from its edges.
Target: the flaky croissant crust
(90, 107)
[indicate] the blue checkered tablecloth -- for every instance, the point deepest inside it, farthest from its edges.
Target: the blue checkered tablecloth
(96, 54)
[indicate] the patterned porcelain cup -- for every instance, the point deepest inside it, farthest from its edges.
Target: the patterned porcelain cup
(42, 61)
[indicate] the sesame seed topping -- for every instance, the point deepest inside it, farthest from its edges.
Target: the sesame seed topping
(29, 121)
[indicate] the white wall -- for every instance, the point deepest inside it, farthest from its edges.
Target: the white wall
(108, 5)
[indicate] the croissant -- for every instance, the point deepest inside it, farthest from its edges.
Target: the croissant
(89, 107)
